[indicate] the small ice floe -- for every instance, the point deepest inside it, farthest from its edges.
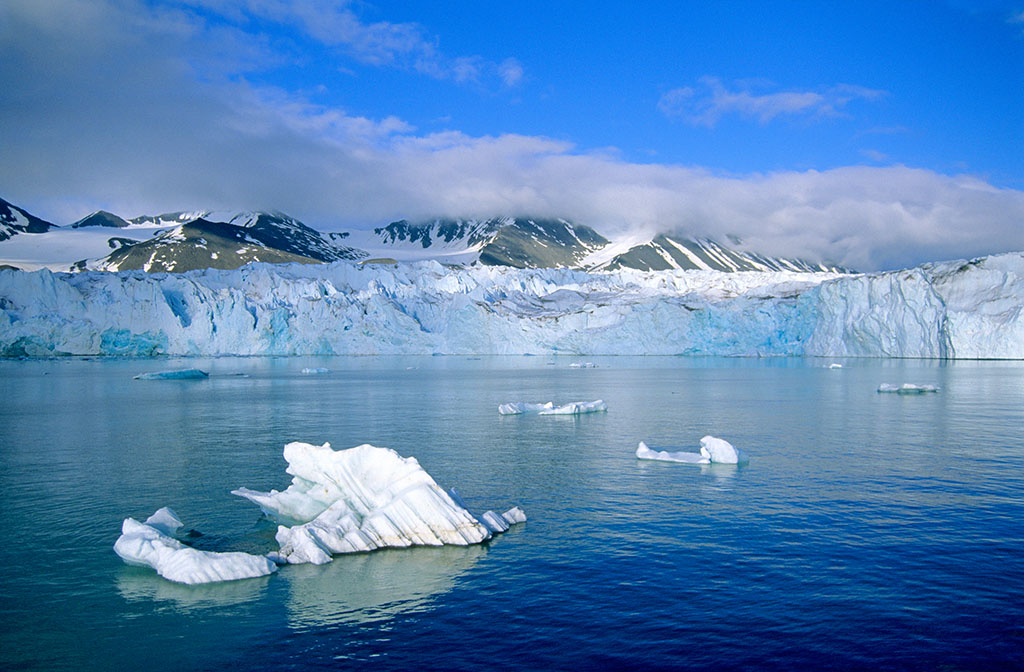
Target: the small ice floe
(315, 370)
(549, 408)
(583, 365)
(362, 499)
(835, 365)
(712, 450)
(907, 388)
(180, 374)
(151, 544)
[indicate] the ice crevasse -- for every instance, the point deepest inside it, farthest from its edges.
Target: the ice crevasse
(961, 309)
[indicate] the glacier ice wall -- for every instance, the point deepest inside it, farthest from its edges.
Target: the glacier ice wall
(950, 309)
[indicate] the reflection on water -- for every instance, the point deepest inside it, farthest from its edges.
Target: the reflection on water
(365, 587)
(136, 583)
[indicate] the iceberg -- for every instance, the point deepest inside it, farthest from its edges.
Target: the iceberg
(959, 309)
(576, 408)
(907, 388)
(151, 544)
(549, 408)
(643, 452)
(315, 370)
(181, 374)
(712, 450)
(365, 498)
(520, 407)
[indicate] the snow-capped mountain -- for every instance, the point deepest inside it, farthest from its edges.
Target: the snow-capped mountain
(14, 220)
(188, 240)
(102, 218)
(670, 251)
(199, 243)
(520, 242)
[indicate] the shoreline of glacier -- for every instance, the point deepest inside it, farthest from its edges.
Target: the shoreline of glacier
(949, 310)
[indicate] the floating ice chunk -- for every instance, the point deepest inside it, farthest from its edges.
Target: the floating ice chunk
(362, 499)
(907, 388)
(577, 408)
(583, 365)
(520, 407)
(180, 374)
(834, 365)
(549, 408)
(712, 450)
(150, 544)
(498, 524)
(645, 453)
(719, 450)
(315, 370)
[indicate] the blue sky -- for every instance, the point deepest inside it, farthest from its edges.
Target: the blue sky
(876, 134)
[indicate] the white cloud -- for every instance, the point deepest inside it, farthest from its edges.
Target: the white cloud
(713, 100)
(107, 111)
(875, 155)
(511, 72)
(380, 43)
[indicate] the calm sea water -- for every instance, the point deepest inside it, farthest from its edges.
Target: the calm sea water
(868, 531)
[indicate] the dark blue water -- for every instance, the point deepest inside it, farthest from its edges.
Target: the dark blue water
(868, 531)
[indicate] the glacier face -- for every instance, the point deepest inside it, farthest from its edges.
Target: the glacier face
(950, 310)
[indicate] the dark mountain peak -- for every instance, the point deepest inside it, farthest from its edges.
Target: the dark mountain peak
(101, 218)
(14, 220)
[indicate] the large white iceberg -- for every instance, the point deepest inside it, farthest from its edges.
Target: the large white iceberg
(549, 408)
(956, 309)
(712, 450)
(362, 499)
(151, 544)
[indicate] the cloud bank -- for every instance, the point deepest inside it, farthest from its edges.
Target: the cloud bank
(134, 108)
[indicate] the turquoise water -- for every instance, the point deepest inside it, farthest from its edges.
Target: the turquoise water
(868, 531)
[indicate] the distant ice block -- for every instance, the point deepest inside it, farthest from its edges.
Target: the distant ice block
(315, 370)
(834, 365)
(150, 544)
(719, 450)
(712, 450)
(645, 453)
(520, 407)
(362, 499)
(180, 374)
(583, 365)
(577, 408)
(549, 408)
(907, 388)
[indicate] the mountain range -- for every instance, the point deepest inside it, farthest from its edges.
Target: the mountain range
(190, 240)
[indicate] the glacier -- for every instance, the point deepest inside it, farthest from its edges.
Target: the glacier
(959, 309)
(362, 499)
